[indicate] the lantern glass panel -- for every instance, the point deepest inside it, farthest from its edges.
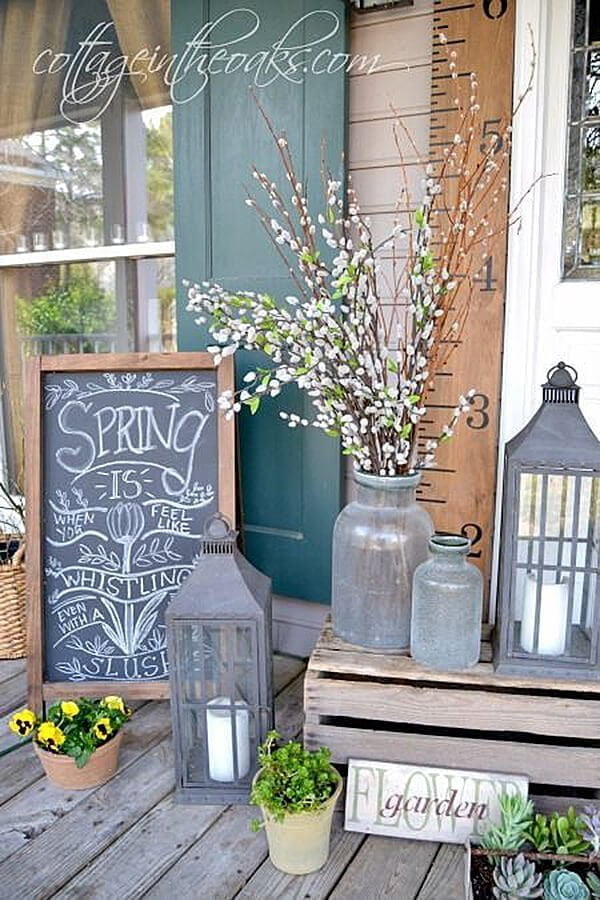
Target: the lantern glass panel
(555, 580)
(220, 714)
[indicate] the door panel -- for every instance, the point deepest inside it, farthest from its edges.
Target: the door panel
(290, 479)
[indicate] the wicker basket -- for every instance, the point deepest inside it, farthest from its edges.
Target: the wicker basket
(13, 635)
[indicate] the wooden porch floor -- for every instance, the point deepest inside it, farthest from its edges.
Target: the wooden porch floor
(128, 839)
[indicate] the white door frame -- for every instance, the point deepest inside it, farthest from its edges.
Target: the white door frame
(546, 319)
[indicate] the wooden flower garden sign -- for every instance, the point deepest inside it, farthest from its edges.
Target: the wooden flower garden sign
(426, 803)
(127, 457)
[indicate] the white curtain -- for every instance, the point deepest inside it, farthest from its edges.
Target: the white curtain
(144, 24)
(27, 27)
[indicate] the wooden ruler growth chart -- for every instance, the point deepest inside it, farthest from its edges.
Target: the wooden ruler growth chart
(460, 492)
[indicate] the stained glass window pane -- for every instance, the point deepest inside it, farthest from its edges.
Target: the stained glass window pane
(581, 235)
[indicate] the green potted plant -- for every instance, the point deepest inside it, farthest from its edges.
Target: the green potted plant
(530, 854)
(296, 790)
(79, 740)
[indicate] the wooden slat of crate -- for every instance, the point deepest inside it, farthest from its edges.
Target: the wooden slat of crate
(439, 706)
(574, 766)
(333, 655)
(387, 707)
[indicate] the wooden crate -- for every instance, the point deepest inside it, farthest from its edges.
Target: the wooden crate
(386, 707)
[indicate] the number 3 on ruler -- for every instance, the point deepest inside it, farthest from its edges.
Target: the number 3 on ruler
(480, 411)
(494, 9)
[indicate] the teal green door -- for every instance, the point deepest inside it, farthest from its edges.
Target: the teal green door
(290, 480)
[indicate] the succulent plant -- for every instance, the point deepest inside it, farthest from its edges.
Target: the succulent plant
(591, 820)
(593, 883)
(516, 814)
(539, 833)
(567, 833)
(561, 884)
(515, 877)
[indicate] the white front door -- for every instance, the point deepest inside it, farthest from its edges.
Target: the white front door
(548, 317)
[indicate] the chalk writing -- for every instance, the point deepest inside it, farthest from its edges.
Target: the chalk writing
(130, 468)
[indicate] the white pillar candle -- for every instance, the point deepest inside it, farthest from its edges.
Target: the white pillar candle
(554, 605)
(219, 731)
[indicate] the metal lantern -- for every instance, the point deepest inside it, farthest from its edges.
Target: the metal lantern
(220, 671)
(548, 615)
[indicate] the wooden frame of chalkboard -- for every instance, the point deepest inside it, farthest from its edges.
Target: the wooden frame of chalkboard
(73, 379)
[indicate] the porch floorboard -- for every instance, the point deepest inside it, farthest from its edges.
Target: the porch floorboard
(128, 839)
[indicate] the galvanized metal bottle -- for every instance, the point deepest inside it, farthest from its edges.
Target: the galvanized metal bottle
(447, 605)
(378, 541)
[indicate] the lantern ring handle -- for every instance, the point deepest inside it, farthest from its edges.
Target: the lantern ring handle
(571, 371)
(218, 527)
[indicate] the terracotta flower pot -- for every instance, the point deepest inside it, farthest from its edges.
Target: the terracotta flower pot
(300, 844)
(62, 771)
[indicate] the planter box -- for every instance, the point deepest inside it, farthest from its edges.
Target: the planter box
(478, 883)
(386, 707)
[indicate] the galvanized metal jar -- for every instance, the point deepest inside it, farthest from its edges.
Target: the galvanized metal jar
(447, 605)
(378, 541)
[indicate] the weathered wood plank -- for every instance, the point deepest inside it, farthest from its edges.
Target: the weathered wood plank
(138, 858)
(152, 846)
(285, 669)
(326, 658)
(386, 868)
(35, 809)
(330, 641)
(453, 708)
(541, 763)
(219, 863)
(11, 667)
(12, 693)
(229, 852)
(19, 769)
(56, 855)
(446, 877)
(270, 882)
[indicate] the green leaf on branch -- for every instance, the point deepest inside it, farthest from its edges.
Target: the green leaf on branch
(427, 262)
(308, 257)
(253, 403)
(419, 217)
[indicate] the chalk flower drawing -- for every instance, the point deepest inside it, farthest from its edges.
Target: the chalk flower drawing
(156, 641)
(72, 669)
(155, 552)
(129, 634)
(99, 557)
(125, 522)
(95, 647)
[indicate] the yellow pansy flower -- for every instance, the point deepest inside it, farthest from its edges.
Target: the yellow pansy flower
(114, 702)
(50, 736)
(69, 708)
(102, 729)
(23, 722)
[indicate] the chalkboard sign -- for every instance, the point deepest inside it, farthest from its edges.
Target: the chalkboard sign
(133, 457)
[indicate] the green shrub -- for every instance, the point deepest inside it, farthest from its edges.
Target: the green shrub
(292, 779)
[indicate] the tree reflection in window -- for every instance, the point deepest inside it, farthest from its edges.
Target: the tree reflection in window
(582, 196)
